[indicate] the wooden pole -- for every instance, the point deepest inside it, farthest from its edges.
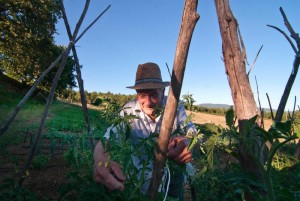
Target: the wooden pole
(189, 20)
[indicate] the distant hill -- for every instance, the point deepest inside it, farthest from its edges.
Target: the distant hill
(211, 105)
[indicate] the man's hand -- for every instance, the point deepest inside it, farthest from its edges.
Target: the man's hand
(178, 150)
(111, 176)
(107, 172)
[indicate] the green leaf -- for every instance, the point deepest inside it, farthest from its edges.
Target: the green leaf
(284, 126)
(210, 145)
(242, 177)
(229, 117)
(192, 143)
(203, 171)
(265, 136)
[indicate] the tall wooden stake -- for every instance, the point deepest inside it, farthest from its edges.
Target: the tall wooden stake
(189, 20)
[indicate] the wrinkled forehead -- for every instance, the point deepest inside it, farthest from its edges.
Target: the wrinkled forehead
(148, 91)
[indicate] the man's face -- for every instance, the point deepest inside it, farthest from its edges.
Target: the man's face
(148, 99)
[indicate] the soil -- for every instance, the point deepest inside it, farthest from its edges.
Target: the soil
(45, 183)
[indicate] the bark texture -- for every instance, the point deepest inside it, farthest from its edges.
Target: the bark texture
(189, 20)
(234, 54)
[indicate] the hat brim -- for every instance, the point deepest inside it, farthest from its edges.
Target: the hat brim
(150, 85)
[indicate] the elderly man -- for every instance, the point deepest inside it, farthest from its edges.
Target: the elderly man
(150, 93)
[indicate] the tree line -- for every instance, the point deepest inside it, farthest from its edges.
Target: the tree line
(95, 98)
(99, 98)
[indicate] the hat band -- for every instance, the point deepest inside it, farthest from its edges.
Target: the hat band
(148, 80)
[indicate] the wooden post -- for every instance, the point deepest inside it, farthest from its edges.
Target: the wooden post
(189, 20)
(234, 54)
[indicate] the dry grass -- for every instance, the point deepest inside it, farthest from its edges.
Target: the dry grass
(202, 118)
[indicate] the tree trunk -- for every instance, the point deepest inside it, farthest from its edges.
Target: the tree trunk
(189, 20)
(234, 58)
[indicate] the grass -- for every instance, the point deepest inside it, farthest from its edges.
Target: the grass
(65, 127)
(62, 116)
(26, 121)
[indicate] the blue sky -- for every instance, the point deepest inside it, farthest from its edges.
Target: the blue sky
(134, 32)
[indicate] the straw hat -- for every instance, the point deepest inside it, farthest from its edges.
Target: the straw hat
(148, 76)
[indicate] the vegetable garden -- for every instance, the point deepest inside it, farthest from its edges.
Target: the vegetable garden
(62, 168)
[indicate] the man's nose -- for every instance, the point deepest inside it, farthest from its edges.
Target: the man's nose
(149, 100)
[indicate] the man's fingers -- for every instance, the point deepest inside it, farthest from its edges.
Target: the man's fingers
(117, 171)
(172, 143)
(177, 150)
(113, 184)
(183, 158)
(113, 179)
(99, 174)
(97, 179)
